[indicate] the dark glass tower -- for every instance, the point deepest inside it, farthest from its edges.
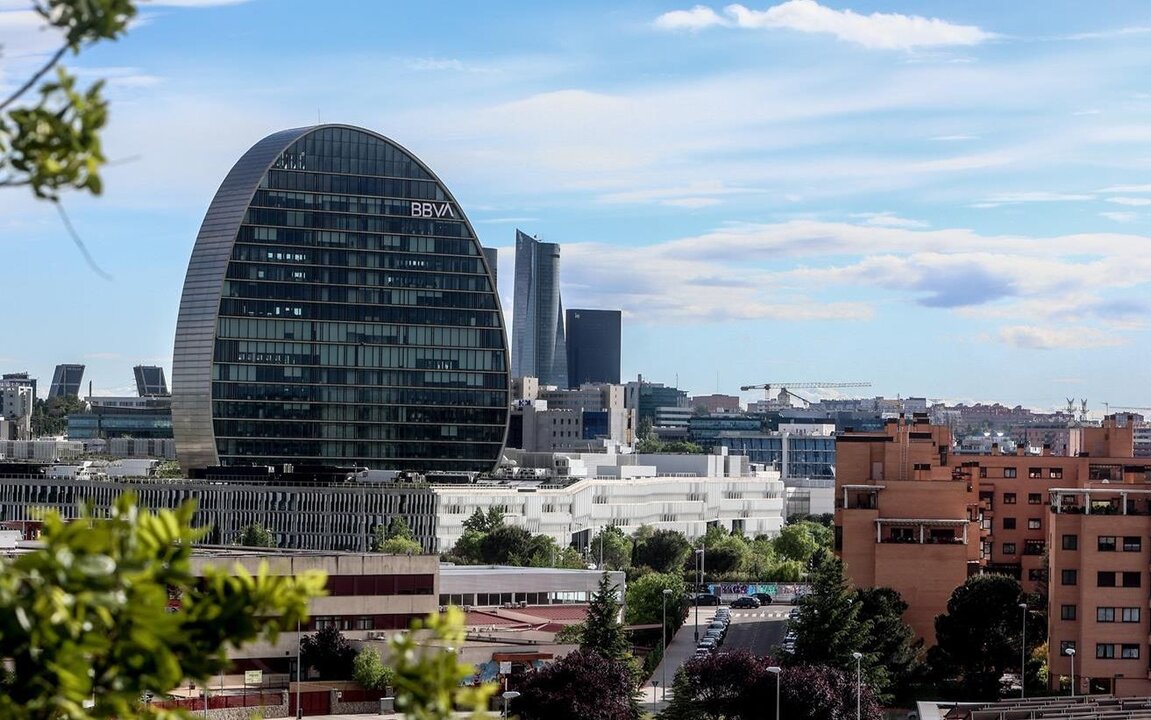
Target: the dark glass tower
(538, 345)
(66, 380)
(150, 380)
(593, 346)
(338, 309)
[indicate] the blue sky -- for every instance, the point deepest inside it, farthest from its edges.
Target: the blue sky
(944, 199)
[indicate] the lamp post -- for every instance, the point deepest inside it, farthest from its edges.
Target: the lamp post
(776, 671)
(858, 685)
(663, 633)
(700, 556)
(299, 671)
(509, 695)
(1023, 656)
(1071, 652)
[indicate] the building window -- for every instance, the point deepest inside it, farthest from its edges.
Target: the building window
(1132, 579)
(1065, 645)
(1129, 651)
(1105, 579)
(1008, 498)
(1132, 543)
(1105, 614)
(1055, 473)
(1008, 523)
(1034, 547)
(982, 472)
(1131, 615)
(1106, 543)
(1069, 577)
(1037, 574)
(1008, 548)
(1067, 612)
(1070, 542)
(1034, 473)
(1008, 472)
(1034, 498)
(1034, 523)
(1104, 650)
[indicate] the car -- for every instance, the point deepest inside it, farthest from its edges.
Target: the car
(763, 598)
(722, 612)
(706, 599)
(747, 601)
(702, 652)
(794, 613)
(708, 643)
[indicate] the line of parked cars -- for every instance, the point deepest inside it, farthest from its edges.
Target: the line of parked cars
(788, 644)
(716, 630)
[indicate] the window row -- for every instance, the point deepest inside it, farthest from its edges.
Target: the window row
(1030, 547)
(1131, 543)
(372, 358)
(1032, 498)
(356, 223)
(360, 333)
(495, 396)
(297, 237)
(434, 455)
(411, 262)
(1126, 651)
(357, 278)
(1032, 523)
(1032, 472)
(347, 312)
(315, 292)
(320, 412)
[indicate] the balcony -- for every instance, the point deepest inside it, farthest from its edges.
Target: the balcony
(921, 531)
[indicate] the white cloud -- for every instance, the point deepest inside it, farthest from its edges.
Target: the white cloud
(1121, 217)
(1012, 198)
(1051, 338)
(1127, 189)
(886, 31)
(887, 219)
(954, 138)
(1131, 201)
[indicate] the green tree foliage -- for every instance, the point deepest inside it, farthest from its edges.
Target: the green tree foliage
(645, 600)
(797, 541)
(896, 650)
(328, 653)
(467, 548)
(395, 538)
(169, 469)
(614, 547)
(603, 632)
(370, 672)
(582, 685)
(570, 634)
(86, 616)
(429, 675)
(256, 535)
(828, 626)
(398, 528)
(50, 128)
(400, 546)
(506, 545)
(728, 557)
(50, 416)
(979, 635)
(485, 523)
(662, 550)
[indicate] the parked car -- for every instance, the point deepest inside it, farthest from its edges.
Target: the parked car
(722, 612)
(794, 613)
(708, 643)
(706, 599)
(747, 601)
(763, 598)
(702, 652)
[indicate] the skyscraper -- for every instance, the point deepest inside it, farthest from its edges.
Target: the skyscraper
(538, 346)
(66, 380)
(150, 380)
(593, 346)
(338, 309)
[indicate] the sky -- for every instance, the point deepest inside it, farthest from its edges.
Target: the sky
(946, 200)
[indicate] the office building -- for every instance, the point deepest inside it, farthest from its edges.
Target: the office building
(21, 378)
(145, 418)
(66, 381)
(16, 399)
(150, 380)
(593, 346)
(658, 404)
(338, 309)
(538, 344)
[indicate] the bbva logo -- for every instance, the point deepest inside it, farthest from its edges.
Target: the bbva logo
(432, 209)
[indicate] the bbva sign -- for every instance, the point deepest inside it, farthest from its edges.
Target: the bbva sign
(432, 209)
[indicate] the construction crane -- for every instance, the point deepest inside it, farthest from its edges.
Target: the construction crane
(1108, 407)
(785, 388)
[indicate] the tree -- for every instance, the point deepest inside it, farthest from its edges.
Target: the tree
(663, 551)
(50, 416)
(603, 632)
(485, 523)
(582, 685)
(828, 626)
(796, 542)
(329, 653)
(396, 538)
(370, 672)
(614, 547)
(53, 143)
(645, 600)
(256, 535)
(400, 546)
(506, 545)
(820, 692)
(891, 641)
(467, 548)
(979, 635)
(86, 616)
(398, 528)
(570, 634)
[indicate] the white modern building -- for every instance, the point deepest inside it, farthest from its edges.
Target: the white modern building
(16, 409)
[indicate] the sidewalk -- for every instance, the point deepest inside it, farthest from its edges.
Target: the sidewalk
(679, 650)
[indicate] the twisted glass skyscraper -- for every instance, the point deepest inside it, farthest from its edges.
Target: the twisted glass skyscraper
(538, 345)
(338, 309)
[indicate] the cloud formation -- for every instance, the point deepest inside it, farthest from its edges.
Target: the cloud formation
(881, 31)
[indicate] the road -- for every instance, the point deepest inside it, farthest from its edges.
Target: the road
(759, 630)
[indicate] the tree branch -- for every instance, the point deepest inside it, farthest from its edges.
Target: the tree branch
(79, 242)
(34, 79)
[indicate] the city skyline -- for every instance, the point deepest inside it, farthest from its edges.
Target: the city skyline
(945, 201)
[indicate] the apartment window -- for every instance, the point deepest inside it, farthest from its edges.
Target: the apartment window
(982, 472)
(1008, 472)
(1055, 473)
(1129, 651)
(1131, 615)
(1008, 498)
(1106, 543)
(1037, 574)
(1132, 579)
(1034, 473)
(1067, 612)
(1104, 650)
(1105, 614)
(1034, 498)
(1070, 542)
(1008, 548)
(1008, 523)
(1065, 645)
(1034, 523)
(1132, 543)
(1104, 578)
(1069, 577)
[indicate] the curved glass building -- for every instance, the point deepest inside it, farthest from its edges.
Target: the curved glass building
(338, 309)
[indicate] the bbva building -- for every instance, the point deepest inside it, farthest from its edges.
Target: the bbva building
(338, 309)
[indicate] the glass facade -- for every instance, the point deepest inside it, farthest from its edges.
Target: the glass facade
(357, 319)
(539, 348)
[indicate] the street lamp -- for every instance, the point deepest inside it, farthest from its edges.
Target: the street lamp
(663, 633)
(776, 670)
(1023, 656)
(1071, 652)
(299, 671)
(858, 685)
(700, 556)
(509, 695)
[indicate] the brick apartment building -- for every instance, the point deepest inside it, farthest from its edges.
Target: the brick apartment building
(913, 516)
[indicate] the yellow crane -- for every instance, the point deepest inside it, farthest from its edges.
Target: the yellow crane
(785, 388)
